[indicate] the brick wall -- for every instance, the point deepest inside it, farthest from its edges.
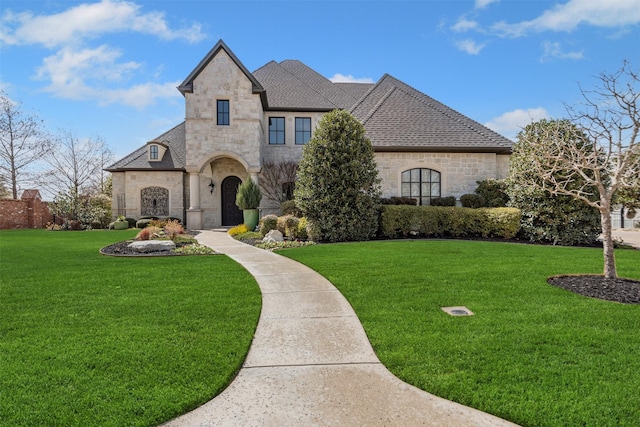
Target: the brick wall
(29, 213)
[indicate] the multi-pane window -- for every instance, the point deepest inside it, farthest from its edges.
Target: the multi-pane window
(421, 184)
(276, 130)
(153, 152)
(223, 112)
(303, 130)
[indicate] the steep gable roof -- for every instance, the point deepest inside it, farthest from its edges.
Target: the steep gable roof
(398, 117)
(173, 159)
(187, 84)
(287, 91)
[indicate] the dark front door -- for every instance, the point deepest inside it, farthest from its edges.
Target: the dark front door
(231, 215)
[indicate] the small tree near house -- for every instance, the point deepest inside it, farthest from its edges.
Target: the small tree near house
(609, 164)
(338, 188)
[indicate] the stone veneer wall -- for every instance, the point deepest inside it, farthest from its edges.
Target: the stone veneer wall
(221, 79)
(211, 203)
(131, 183)
(288, 151)
(459, 171)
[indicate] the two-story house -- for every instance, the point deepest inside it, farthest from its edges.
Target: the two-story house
(237, 121)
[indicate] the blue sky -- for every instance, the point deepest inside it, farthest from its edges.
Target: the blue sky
(110, 68)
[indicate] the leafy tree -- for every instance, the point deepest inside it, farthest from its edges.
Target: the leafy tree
(548, 217)
(23, 142)
(338, 188)
(594, 172)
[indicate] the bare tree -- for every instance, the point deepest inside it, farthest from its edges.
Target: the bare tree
(610, 117)
(276, 175)
(75, 166)
(22, 143)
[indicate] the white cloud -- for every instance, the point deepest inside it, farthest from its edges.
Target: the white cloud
(341, 78)
(554, 50)
(88, 74)
(512, 122)
(464, 25)
(87, 21)
(80, 72)
(469, 46)
(567, 16)
(481, 4)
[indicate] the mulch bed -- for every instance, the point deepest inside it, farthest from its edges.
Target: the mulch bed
(621, 290)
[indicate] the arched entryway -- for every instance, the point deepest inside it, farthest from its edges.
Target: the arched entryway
(231, 215)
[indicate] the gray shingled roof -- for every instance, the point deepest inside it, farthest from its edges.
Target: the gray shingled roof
(399, 117)
(173, 159)
(396, 116)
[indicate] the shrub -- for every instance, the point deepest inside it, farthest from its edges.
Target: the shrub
(268, 223)
(313, 231)
(545, 217)
(302, 229)
(173, 228)
(184, 239)
(399, 201)
(289, 208)
(288, 226)
(238, 229)
(144, 222)
(443, 201)
(494, 193)
(473, 201)
(148, 233)
(439, 221)
(338, 188)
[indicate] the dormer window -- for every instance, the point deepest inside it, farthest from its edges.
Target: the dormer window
(155, 151)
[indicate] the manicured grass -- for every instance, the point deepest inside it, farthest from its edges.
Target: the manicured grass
(87, 339)
(533, 354)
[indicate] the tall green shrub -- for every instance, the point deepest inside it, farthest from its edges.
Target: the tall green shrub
(338, 188)
(556, 219)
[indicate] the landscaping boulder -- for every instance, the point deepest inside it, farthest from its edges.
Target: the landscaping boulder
(273, 236)
(152, 245)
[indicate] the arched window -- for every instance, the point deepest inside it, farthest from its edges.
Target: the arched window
(421, 184)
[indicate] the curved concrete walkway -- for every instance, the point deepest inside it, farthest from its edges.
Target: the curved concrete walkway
(310, 362)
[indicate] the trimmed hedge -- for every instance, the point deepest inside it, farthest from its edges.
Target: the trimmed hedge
(437, 221)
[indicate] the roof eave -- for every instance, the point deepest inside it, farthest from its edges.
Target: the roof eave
(439, 149)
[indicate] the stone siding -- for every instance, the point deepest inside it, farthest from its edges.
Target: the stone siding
(221, 79)
(459, 171)
(288, 151)
(131, 184)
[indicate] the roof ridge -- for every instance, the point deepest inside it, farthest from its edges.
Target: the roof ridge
(446, 110)
(305, 83)
(371, 89)
(380, 102)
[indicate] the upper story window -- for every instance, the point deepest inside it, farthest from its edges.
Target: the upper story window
(421, 184)
(276, 130)
(303, 130)
(223, 112)
(153, 152)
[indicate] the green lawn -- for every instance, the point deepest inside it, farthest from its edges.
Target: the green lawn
(533, 354)
(87, 339)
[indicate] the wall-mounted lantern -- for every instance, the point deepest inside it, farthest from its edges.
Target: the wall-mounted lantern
(211, 186)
